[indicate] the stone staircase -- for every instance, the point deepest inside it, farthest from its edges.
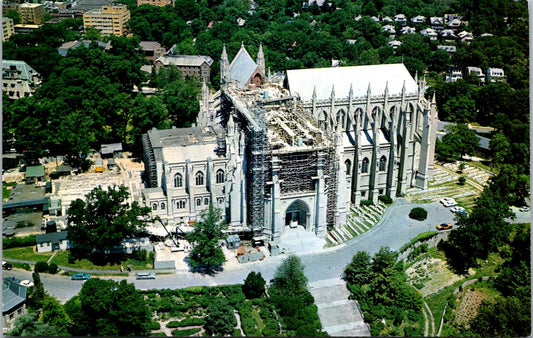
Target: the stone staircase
(360, 220)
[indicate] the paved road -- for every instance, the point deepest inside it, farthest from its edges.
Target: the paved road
(394, 230)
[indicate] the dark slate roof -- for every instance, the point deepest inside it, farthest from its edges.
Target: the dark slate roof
(241, 68)
(110, 148)
(54, 237)
(35, 171)
(13, 294)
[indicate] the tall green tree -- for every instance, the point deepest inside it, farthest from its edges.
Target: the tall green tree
(220, 318)
(358, 271)
(289, 277)
(254, 285)
(108, 308)
(54, 314)
(460, 140)
(205, 237)
(105, 218)
(28, 325)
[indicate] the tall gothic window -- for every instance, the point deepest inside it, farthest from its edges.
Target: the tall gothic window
(220, 176)
(199, 178)
(348, 165)
(364, 166)
(178, 181)
(163, 206)
(206, 201)
(180, 204)
(382, 163)
(198, 202)
(154, 206)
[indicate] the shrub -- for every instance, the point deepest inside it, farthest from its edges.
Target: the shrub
(367, 202)
(385, 199)
(254, 285)
(139, 255)
(25, 266)
(418, 213)
(53, 268)
(155, 326)
(236, 333)
(185, 333)
(462, 180)
(376, 327)
(41, 267)
(16, 242)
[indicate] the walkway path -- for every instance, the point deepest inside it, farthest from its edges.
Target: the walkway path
(339, 315)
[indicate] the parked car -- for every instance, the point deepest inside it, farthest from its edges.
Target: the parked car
(457, 209)
(80, 276)
(444, 226)
(6, 265)
(26, 283)
(448, 202)
(524, 209)
(145, 275)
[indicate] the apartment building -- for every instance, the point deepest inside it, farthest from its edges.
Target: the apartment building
(31, 13)
(8, 28)
(109, 20)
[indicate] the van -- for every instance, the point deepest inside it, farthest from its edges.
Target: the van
(145, 275)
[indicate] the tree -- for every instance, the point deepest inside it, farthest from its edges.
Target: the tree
(418, 213)
(500, 148)
(358, 271)
(28, 325)
(220, 318)
(37, 293)
(205, 237)
(289, 278)
(108, 308)
(461, 140)
(55, 315)
(460, 109)
(105, 218)
(254, 285)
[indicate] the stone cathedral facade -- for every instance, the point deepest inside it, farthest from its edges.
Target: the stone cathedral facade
(276, 152)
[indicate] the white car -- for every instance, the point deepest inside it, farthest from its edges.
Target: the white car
(26, 283)
(524, 209)
(448, 202)
(458, 209)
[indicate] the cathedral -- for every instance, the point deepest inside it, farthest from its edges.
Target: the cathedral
(276, 152)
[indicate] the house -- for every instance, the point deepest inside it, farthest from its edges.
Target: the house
(455, 23)
(52, 241)
(19, 79)
(394, 44)
(111, 164)
(400, 18)
(13, 302)
(34, 174)
(448, 34)
(387, 19)
(233, 242)
(109, 19)
(129, 245)
(374, 18)
(465, 37)
(240, 22)
(408, 30)
(111, 150)
(476, 72)
(496, 75)
(449, 49)
(65, 47)
(430, 33)
(419, 19)
(159, 3)
(453, 74)
(436, 22)
(152, 50)
(189, 65)
(486, 35)
(357, 17)
(390, 29)
(8, 28)
(450, 17)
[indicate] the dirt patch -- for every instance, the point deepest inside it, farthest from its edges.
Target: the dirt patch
(429, 275)
(468, 304)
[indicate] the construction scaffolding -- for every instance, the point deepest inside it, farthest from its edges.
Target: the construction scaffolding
(330, 172)
(149, 162)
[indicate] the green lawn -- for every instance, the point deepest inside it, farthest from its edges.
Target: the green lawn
(26, 253)
(5, 191)
(61, 258)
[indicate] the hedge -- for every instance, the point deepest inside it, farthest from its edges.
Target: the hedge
(53, 268)
(17, 242)
(367, 202)
(41, 267)
(155, 326)
(385, 199)
(418, 213)
(186, 322)
(186, 332)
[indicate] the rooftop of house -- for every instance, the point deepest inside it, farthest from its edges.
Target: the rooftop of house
(53, 237)
(149, 45)
(35, 171)
(22, 69)
(110, 148)
(13, 294)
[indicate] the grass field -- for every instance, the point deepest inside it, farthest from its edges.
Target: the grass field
(61, 258)
(26, 253)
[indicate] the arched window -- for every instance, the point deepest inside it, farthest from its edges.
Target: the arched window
(162, 206)
(199, 178)
(348, 165)
(198, 202)
(220, 201)
(206, 201)
(220, 176)
(154, 206)
(181, 204)
(178, 181)
(382, 163)
(364, 166)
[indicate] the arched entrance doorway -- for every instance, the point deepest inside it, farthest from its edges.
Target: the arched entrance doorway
(296, 214)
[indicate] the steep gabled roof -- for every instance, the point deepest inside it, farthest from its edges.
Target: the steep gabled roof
(242, 67)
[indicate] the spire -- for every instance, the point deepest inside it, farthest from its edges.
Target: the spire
(332, 92)
(314, 93)
(261, 59)
(224, 65)
(350, 93)
(242, 44)
(368, 91)
(434, 99)
(386, 93)
(416, 77)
